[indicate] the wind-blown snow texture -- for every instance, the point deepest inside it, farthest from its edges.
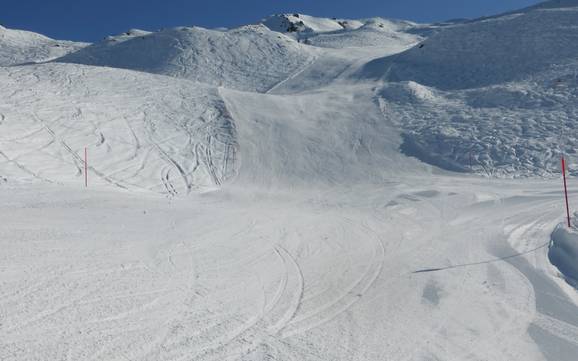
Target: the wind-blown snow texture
(292, 190)
(17, 47)
(495, 96)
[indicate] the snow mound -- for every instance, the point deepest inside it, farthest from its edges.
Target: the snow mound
(409, 92)
(142, 131)
(251, 58)
(128, 35)
(489, 51)
(18, 46)
(563, 252)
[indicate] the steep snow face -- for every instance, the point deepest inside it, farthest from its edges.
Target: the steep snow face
(17, 47)
(142, 131)
(327, 137)
(487, 52)
(248, 58)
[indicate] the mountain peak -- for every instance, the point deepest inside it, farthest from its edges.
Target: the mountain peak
(299, 23)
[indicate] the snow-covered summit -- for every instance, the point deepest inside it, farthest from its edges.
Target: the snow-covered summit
(299, 23)
(19, 46)
(247, 58)
(130, 34)
(346, 33)
(485, 96)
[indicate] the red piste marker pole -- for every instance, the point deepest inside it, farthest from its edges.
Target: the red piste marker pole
(566, 192)
(85, 167)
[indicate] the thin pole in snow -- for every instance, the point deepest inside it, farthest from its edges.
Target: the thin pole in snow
(566, 192)
(85, 167)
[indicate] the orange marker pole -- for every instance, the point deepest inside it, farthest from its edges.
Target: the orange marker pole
(566, 192)
(85, 167)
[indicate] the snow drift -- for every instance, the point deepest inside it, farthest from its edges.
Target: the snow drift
(563, 252)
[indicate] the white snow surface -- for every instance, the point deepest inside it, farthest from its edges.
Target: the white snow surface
(490, 51)
(250, 58)
(142, 131)
(563, 251)
(276, 200)
(494, 97)
(341, 33)
(18, 46)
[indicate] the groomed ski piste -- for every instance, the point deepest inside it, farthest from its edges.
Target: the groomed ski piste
(300, 189)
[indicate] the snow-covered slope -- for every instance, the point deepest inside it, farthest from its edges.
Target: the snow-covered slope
(495, 96)
(340, 33)
(374, 32)
(320, 238)
(515, 129)
(142, 131)
(489, 51)
(173, 135)
(18, 46)
(328, 137)
(248, 58)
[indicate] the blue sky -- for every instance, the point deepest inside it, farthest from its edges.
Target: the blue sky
(92, 20)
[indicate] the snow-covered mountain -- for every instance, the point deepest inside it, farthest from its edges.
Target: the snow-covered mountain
(342, 33)
(299, 23)
(18, 46)
(501, 91)
(330, 189)
(499, 99)
(491, 51)
(250, 58)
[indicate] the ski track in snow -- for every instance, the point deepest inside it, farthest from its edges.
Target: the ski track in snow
(201, 129)
(280, 217)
